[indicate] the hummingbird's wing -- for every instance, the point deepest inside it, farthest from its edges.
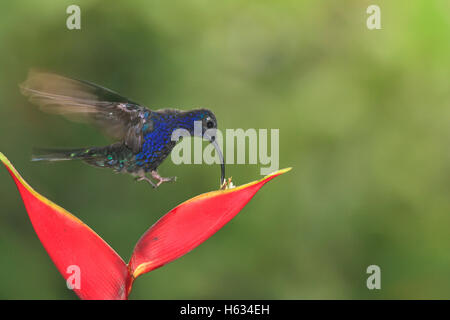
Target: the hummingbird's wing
(79, 100)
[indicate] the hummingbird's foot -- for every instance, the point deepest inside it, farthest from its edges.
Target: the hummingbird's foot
(144, 178)
(160, 179)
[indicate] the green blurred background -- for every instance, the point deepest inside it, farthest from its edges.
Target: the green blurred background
(364, 119)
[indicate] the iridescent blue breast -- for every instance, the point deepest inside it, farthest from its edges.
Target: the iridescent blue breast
(157, 142)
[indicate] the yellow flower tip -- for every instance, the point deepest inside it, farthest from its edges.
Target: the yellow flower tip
(281, 171)
(276, 173)
(13, 170)
(9, 165)
(4, 159)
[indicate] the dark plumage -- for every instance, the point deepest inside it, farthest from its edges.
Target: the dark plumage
(143, 135)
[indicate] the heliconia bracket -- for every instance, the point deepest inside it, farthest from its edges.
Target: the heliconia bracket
(103, 273)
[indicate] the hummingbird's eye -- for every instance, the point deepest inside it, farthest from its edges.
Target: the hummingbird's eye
(209, 124)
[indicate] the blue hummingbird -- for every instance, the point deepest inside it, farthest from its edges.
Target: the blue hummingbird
(143, 136)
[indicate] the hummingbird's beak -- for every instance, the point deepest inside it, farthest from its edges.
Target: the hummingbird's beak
(222, 161)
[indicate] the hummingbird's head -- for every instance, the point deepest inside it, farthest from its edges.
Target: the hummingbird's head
(208, 122)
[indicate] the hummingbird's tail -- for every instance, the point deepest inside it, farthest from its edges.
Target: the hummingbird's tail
(115, 156)
(40, 154)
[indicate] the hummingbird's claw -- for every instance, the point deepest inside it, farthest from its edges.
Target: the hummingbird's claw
(156, 176)
(144, 178)
(160, 179)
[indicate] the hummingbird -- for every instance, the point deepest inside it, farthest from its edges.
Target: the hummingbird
(142, 136)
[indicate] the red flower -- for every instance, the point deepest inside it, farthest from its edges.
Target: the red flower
(103, 273)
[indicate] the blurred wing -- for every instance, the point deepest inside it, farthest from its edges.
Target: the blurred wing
(78, 100)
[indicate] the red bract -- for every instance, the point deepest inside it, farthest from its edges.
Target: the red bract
(103, 274)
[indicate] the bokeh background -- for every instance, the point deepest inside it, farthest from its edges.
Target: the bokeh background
(364, 119)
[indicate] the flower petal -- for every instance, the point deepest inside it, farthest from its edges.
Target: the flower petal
(69, 242)
(189, 224)
(103, 274)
